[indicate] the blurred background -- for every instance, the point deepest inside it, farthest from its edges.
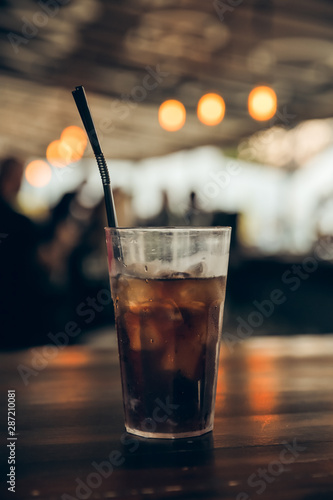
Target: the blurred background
(209, 113)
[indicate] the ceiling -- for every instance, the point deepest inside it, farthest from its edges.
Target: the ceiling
(131, 55)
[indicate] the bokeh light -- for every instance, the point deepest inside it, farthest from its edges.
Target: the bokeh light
(262, 103)
(69, 149)
(211, 109)
(38, 173)
(57, 154)
(172, 115)
(73, 143)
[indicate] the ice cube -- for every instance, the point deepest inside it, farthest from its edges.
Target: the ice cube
(150, 325)
(178, 275)
(156, 321)
(195, 307)
(185, 355)
(166, 317)
(136, 290)
(169, 275)
(132, 325)
(142, 328)
(201, 290)
(197, 270)
(119, 286)
(185, 351)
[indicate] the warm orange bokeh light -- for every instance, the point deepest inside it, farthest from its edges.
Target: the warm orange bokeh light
(69, 149)
(73, 143)
(57, 155)
(172, 115)
(211, 109)
(38, 173)
(262, 103)
(74, 131)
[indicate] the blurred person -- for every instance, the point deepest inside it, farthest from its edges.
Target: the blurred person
(61, 235)
(194, 215)
(11, 172)
(35, 283)
(39, 292)
(21, 306)
(88, 274)
(72, 277)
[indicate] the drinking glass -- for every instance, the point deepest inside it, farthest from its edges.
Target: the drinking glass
(168, 288)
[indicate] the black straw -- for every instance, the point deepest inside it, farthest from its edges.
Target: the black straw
(82, 105)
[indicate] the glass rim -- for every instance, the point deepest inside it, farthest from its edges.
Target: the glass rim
(203, 229)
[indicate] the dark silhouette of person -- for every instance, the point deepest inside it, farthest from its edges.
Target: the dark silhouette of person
(194, 215)
(22, 303)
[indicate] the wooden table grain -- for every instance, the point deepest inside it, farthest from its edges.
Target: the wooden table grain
(273, 436)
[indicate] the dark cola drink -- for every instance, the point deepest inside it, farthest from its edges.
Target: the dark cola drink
(168, 333)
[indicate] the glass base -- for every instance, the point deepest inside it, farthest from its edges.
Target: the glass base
(165, 435)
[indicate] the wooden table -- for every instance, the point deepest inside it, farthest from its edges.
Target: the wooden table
(273, 428)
